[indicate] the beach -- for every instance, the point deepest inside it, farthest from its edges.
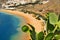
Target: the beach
(38, 24)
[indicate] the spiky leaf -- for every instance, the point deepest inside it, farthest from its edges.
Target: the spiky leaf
(53, 18)
(40, 36)
(25, 28)
(49, 36)
(57, 37)
(50, 27)
(58, 24)
(32, 32)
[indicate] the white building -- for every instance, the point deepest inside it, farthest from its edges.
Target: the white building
(23, 1)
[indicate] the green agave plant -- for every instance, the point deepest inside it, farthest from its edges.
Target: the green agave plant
(53, 24)
(25, 28)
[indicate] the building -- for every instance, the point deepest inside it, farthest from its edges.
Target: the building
(27, 1)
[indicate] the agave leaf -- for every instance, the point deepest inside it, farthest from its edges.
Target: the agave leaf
(57, 37)
(53, 18)
(40, 36)
(32, 32)
(49, 36)
(50, 27)
(33, 35)
(25, 28)
(59, 17)
(58, 24)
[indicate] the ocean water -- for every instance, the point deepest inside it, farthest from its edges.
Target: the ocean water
(8, 26)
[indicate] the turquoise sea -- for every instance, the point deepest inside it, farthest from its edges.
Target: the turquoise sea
(8, 26)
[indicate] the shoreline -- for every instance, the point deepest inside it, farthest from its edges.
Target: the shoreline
(29, 19)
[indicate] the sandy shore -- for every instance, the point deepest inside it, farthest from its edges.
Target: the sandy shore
(28, 18)
(38, 24)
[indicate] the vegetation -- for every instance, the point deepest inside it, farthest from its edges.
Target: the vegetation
(52, 31)
(25, 28)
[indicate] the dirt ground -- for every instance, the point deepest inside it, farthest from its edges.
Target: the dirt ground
(42, 9)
